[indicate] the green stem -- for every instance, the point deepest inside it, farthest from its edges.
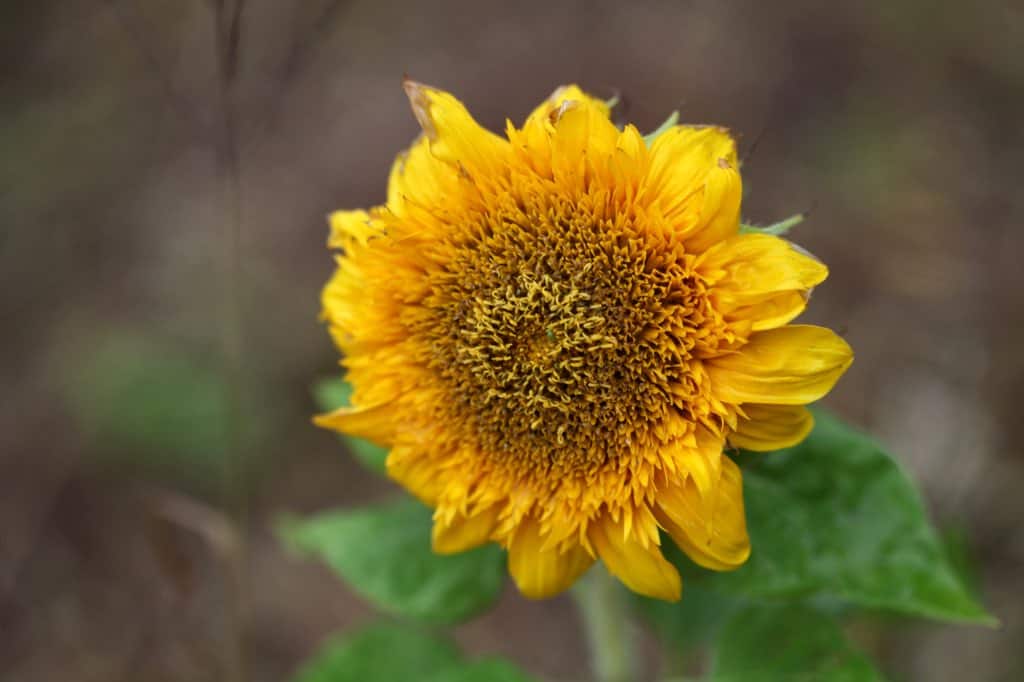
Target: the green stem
(605, 614)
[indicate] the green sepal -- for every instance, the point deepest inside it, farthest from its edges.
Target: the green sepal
(777, 229)
(667, 125)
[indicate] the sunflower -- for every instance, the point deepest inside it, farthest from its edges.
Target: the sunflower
(558, 332)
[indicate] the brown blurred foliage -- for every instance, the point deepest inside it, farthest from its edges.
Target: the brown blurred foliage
(898, 124)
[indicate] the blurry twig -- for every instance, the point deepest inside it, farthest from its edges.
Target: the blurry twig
(303, 49)
(771, 120)
(747, 155)
(170, 516)
(301, 52)
(141, 32)
(216, 530)
(227, 15)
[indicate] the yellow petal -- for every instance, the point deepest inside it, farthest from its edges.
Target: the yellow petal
(347, 226)
(642, 569)
(566, 93)
(419, 177)
(462, 533)
(720, 213)
(565, 135)
(334, 305)
(374, 423)
(792, 365)
(761, 278)
(541, 573)
(453, 134)
(711, 529)
(771, 427)
(698, 457)
(694, 176)
(582, 144)
(419, 474)
(773, 312)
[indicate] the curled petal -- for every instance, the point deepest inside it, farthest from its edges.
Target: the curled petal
(711, 529)
(792, 365)
(761, 278)
(461, 532)
(454, 136)
(694, 175)
(562, 94)
(771, 427)
(538, 572)
(642, 569)
(348, 226)
(374, 423)
(418, 177)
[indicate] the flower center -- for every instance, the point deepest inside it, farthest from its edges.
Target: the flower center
(563, 338)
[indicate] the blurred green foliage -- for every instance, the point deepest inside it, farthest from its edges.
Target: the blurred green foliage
(835, 526)
(154, 409)
(787, 644)
(383, 552)
(836, 517)
(389, 653)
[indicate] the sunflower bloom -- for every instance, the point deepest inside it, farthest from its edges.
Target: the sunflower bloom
(557, 332)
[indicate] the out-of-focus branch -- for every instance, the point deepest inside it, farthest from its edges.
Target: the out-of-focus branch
(303, 48)
(227, 16)
(141, 32)
(302, 51)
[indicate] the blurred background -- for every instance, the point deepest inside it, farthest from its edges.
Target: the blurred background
(136, 134)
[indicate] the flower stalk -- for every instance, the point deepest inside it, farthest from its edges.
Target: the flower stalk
(604, 612)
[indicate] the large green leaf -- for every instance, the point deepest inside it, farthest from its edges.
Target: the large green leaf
(392, 653)
(384, 553)
(787, 645)
(380, 654)
(836, 518)
(693, 622)
(155, 409)
(330, 394)
(485, 670)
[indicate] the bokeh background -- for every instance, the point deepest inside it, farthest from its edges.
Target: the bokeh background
(131, 548)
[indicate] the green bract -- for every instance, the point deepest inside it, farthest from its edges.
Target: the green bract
(777, 229)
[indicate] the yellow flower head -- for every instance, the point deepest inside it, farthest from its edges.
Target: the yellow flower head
(557, 332)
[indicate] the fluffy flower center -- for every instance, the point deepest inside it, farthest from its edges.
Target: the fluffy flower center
(564, 337)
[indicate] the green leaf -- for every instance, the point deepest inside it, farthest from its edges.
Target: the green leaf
(787, 644)
(779, 228)
(132, 391)
(391, 653)
(672, 119)
(958, 550)
(693, 622)
(835, 518)
(379, 654)
(485, 670)
(330, 394)
(384, 553)
(149, 407)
